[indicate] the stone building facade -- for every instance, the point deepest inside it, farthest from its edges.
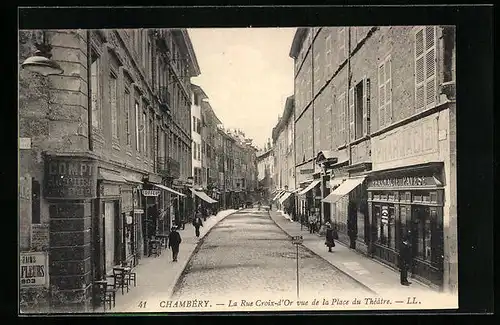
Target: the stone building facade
(115, 123)
(375, 125)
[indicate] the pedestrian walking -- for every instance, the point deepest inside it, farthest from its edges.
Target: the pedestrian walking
(312, 222)
(197, 223)
(330, 236)
(405, 260)
(352, 225)
(174, 240)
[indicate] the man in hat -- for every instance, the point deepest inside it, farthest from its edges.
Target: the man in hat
(405, 259)
(174, 240)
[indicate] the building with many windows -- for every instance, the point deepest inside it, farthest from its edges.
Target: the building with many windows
(265, 170)
(107, 151)
(198, 95)
(375, 140)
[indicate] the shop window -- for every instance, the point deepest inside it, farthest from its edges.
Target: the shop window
(423, 225)
(391, 234)
(436, 243)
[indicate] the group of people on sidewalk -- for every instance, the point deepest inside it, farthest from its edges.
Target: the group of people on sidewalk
(331, 234)
(174, 238)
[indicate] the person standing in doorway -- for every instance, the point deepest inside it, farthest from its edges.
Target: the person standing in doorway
(405, 260)
(197, 223)
(352, 224)
(174, 241)
(312, 222)
(330, 242)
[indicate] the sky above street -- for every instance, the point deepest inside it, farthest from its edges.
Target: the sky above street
(247, 75)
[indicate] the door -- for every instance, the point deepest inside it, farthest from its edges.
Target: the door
(109, 235)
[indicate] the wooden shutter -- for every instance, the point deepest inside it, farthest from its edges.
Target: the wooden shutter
(342, 45)
(430, 65)
(352, 130)
(367, 104)
(381, 95)
(365, 107)
(388, 91)
(419, 71)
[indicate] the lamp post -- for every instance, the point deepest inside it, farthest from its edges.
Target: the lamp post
(41, 63)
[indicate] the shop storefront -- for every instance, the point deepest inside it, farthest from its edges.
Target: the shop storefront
(308, 198)
(409, 201)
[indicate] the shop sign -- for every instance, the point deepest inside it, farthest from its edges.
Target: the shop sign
(410, 181)
(307, 171)
(40, 236)
(34, 269)
(70, 178)
(139, 211)
(151, 192)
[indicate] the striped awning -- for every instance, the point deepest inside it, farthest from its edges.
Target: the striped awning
(163, 187)
(310, 187)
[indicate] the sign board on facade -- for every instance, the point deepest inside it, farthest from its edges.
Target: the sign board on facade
(139, 211)
(410, 181)
(307, 171)
(151, 192)
(297, 240)
(24, 143)
(34, 269)
(40, 236)
(70, 178)
(385, 214)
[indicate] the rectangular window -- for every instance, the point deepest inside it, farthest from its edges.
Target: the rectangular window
(35, 201)
(113, 88)
(317, 77)
(425, 67)
(151, 133)
(194, 124)
(358, 113)
(127, 105)
(198, 126)
(137, 127)
(385, 93)
(144, 132)
(95, 90)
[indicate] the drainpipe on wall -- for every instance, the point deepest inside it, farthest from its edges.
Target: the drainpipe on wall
(89, 91)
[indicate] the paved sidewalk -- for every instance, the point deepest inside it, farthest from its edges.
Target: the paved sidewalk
(373, 275)
(157, 276)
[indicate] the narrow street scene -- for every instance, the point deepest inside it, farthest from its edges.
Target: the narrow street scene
(237, 169)
(248, 255)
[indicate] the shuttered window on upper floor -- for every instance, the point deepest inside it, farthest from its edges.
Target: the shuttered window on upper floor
(425, 67)
(385, 93)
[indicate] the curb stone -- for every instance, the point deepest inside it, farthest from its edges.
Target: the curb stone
(314, 253)
(194, 251)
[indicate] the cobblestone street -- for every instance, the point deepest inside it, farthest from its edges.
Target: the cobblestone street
(247, 255)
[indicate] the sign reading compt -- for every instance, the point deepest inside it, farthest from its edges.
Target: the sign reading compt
(70, 178)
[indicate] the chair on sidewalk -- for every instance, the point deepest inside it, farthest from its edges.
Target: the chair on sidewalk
(120, 278)
(130, 275)
(105, 293)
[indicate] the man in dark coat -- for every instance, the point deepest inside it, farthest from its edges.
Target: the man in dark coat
(405, 260)
(352, 225)
(330, 242)
(197, 223)
(174, 240)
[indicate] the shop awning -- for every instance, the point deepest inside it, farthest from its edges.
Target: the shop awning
(163, 187)
(284, 197)
(277, 195)
(336, 182)
(110, 177)
(310, 187)
(203, 196)
(131, 179)
(344, 189)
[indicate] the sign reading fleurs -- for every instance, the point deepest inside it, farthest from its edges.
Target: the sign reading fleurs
(33, 269)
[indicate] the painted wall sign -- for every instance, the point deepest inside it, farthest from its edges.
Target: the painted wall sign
(307, 171)
(40, 237)
(419, 138)
(34, 269)
(70, 178)
(24, 143)
(151, 192)
(412, 181)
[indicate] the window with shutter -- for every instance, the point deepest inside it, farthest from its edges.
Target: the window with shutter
(328, 58)
(352, 134)
(366, 106)
(425, 67)
(342, 44)
(341, 108)
(385, 93)
(328, 129)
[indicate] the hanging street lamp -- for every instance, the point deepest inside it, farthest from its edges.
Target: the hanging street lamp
(41, 63)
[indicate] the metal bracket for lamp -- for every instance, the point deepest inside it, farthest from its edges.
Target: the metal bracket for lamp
(41, 62)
